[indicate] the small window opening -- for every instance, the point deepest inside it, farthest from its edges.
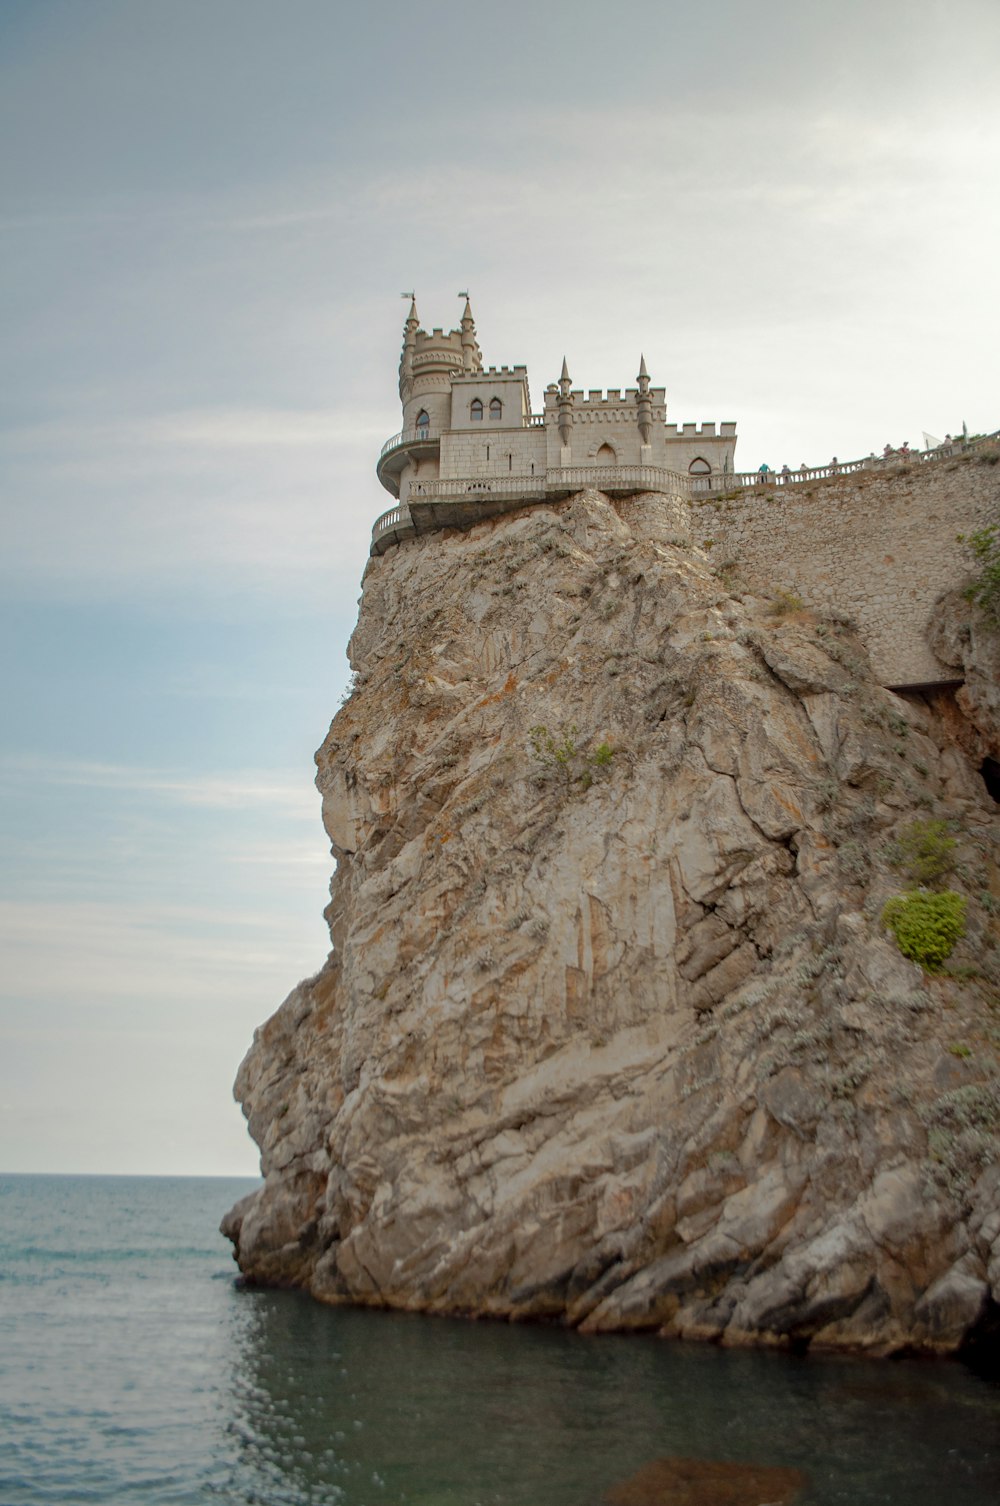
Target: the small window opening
(510, 462)
(487, 452)
(699, 467)
(476, 411)
(423, 422)
(496, 409)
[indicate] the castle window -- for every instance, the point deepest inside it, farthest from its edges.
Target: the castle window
(606, 455)
(476, 411)
(699, 467)
(496, 409)
(423, 424)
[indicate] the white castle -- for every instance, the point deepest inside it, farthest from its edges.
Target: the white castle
(470, 446)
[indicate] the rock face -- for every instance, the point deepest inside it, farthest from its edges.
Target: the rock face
(610, 1032)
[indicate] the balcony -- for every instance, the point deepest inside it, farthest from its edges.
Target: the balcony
(407, 444)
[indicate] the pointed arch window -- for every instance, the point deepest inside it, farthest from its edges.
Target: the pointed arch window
(606, 455)
(496, 410)
(476, 410)
(699, 467)
(423, 424)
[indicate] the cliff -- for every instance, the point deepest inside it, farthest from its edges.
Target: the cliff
(611, 1031)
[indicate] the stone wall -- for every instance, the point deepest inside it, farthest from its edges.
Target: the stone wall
(511, 452)
(879, 546)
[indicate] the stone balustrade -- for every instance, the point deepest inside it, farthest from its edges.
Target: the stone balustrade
(425, 435)
(731, 481)
(616, 480)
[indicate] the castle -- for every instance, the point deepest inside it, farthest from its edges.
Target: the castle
(877, 539)
(471, 447)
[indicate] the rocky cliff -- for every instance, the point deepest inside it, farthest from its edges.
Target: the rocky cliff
(611, 1031)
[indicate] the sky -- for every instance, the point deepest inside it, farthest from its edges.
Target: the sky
(208, 211)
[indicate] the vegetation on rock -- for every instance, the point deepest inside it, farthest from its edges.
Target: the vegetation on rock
(926, 925)
(984, 590)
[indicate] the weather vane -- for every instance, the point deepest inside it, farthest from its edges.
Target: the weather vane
(462, 295)
(408, 295)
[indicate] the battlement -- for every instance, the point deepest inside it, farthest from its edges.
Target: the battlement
(701, 431)
(596, 398)
(519, 373)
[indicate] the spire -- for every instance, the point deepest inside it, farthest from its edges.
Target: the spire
(410, 327)
(564, 402)
(644, 404)
(472, 359)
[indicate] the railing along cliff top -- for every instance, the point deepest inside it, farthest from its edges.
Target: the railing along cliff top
(724, 481)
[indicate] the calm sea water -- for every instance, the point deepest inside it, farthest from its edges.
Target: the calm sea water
(132, 1370)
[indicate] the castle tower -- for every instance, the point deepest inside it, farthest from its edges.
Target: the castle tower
(431, 360)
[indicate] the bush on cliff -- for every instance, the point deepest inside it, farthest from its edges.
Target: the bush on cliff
(926, 925)
(984, 590)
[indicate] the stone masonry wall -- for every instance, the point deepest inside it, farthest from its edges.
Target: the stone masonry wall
(511, 452)
(879, 546)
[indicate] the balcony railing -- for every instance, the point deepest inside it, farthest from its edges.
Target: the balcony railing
(422, 435)
(471, 487)
(618, 478)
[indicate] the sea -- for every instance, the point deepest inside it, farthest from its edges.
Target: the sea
(134, 1369)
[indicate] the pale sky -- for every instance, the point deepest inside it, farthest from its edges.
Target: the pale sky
(208, 211)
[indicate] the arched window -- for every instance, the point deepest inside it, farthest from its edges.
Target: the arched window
(476, 411)
(496, 409)
(423, 424)
(606, 455)
(699, 467)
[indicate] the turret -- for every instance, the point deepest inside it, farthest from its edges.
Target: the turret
(472, 356)
(429, 362)
(565, 406)
(409, 346)
(644, 404)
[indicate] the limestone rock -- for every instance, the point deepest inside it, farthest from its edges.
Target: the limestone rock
(610, 1032)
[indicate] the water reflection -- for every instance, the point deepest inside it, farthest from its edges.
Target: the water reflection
(357, 1408)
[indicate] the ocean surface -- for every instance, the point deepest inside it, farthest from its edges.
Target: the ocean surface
(133, 1370)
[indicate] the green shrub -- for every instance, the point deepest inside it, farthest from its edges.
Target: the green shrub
(984, 590)
(926, 925)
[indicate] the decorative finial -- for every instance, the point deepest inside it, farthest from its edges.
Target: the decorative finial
(564, 375)
(642, 367)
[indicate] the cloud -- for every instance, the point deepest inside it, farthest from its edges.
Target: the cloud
(78, 952)
(246, 790)
(202, 428)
